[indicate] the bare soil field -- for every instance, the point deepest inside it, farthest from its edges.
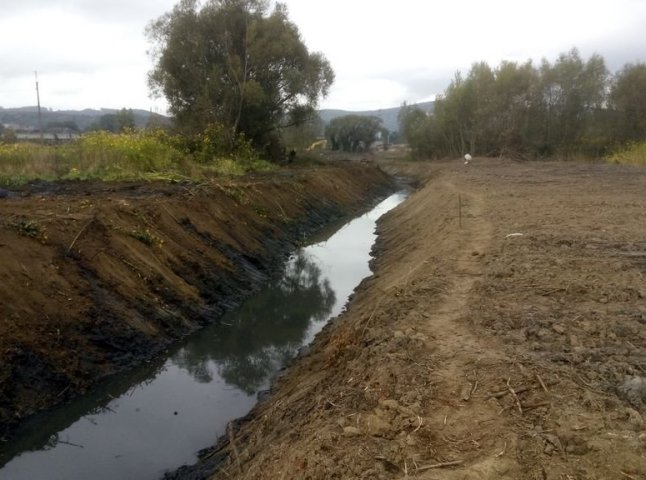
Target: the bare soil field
(99, 277)
(502, 336)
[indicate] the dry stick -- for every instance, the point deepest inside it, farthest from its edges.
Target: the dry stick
(475, 385)
(500, 454)
(627, 476)
(529, 406)
(363, 332)
(69, 249)
(460, 210)
(70, 443)
(502, 393)
(513, 394)
(440, 465)
(233, 446)
(540, 380)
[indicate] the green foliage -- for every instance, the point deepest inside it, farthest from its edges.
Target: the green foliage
(140, 155)
(8, 136)
(121, 121)
(634, 154)
(353, 133)
(31, 229)
(301, 136)
(628, 101)
(235, 64)
(146, 237)
(566, 108)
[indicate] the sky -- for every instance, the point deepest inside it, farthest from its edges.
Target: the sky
(93, 53)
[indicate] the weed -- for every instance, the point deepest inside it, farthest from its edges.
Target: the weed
(261, 211)
(134, 155)
(633, 155)
(146, 237)
(31, 229)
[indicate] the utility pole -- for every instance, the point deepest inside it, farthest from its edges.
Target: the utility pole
(40, 115)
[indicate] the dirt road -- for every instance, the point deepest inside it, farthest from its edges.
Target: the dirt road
(505, 342)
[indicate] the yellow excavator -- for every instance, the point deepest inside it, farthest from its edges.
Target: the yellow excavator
(319, 144)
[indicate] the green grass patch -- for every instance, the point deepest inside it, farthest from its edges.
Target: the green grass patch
(146, 237)
(139, 155)
(30, 228)
(633, 155)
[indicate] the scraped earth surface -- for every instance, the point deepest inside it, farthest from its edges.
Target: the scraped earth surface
(503, 336)
(99, 277)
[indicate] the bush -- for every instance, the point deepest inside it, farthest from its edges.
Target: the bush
(635, 154)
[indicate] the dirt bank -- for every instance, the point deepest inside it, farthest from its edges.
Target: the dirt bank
(505, 344)
(96, 278)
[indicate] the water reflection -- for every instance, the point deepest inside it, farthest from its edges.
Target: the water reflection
(265, 332)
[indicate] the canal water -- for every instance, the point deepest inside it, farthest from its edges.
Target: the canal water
(156, 418)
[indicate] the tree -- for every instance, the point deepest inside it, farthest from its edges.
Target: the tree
(236, 64)
(628, 100)
(125, 120)
(353, 133)
(416, 126)
(9, 136)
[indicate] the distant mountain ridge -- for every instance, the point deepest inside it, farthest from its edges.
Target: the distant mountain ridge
(387, 115)
(26, 118)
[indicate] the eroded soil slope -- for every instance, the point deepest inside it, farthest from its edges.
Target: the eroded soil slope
(98, 277)
(509, 343)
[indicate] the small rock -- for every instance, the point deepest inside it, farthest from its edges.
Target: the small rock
(411, 441)
(635, 389)
(558, 329)
(574, 341)
(635, 419)
(543, 333)
(351, 431)
(376, 426)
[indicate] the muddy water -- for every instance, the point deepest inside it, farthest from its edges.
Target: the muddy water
(155, 419)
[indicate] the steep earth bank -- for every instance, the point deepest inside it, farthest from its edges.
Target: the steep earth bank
(96, 278)
(502, 337)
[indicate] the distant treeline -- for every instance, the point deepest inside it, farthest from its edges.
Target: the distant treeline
(567, 108)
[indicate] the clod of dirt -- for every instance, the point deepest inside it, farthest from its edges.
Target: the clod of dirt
(635, 419)
(634, 389)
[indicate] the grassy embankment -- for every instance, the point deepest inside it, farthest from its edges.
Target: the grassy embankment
(633, 155)
(126, 156)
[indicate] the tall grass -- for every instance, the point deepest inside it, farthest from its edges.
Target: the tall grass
(126, 156)
(633, 155)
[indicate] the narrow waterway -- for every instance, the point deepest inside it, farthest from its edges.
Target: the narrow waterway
(155, 419)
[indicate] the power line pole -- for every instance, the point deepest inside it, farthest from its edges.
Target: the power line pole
(40, 116)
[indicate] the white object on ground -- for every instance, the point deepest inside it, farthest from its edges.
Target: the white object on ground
(512, 235)
(467, 159)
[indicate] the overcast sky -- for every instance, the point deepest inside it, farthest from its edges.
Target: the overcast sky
(92, 53)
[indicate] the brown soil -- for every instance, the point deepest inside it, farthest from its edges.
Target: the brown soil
(96, 278)
(475, 352)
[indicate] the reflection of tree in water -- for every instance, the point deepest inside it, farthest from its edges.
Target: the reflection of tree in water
(265, 331)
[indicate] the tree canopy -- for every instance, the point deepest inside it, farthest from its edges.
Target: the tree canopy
(352, 133)
(570, 106)
(236, 64)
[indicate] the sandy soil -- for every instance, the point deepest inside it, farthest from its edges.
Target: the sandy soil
(96, 278)
(503, 339)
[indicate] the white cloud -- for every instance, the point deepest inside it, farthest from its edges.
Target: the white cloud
(92, 53)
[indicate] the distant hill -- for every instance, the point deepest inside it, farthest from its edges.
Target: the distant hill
(26, 118)
(387, 115)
